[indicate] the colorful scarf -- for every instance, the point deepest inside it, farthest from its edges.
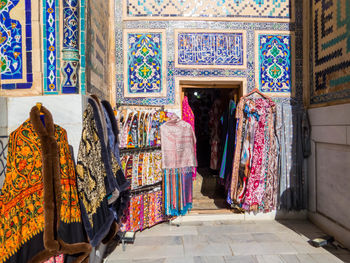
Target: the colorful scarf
(188, 116)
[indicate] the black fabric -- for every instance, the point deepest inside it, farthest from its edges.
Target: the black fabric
(28, 250)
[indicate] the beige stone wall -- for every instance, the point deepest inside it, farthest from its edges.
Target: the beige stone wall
(99, 49)
(329, 166)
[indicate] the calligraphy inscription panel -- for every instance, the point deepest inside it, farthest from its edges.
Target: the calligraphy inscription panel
(210, 49)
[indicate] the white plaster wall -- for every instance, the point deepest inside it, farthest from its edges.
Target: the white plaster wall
(66, 111)
(329, 170)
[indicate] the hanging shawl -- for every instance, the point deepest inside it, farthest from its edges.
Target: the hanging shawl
(39, 211)
(97, 171)
(188, 116)
(112, 127)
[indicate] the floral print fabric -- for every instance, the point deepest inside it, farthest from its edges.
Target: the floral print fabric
(145, 210)
(142, 169)
(254, 176)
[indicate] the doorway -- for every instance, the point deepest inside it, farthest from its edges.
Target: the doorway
(210, 102)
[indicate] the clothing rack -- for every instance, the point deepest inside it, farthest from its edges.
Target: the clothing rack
(144, 149)
(140, 106)
(146, 188)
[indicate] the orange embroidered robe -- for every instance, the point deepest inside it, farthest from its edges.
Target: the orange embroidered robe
(39, 208)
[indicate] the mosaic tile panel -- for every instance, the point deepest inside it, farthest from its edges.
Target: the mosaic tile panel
(51, 54)
(173, 72)
(82, 48)
(15, 45)
(70, 57)
(144, 64)
(204, 49)
(274, 63)
(240, 9)
(331, 51)
(70, 24)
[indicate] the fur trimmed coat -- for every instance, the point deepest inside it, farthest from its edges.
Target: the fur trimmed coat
(40, 216)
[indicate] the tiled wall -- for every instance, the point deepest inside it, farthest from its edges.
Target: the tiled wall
(271, 52)
(246, 9)
(330, 51)
(31, 41)
(19, 28)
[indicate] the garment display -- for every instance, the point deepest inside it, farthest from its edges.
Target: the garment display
(292, 121)
(188, 116)
(177, 191)
(178, 144)
(40, 216)
(178, 160)
(214, 124)
(142, 168)
(140, 128)
(100, 179)
(254, 176)
(145, 210)
(229, 128)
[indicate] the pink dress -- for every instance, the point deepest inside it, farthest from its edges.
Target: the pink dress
(188, 116)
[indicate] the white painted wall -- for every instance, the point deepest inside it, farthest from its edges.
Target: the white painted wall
(66, 112)
(329, 170)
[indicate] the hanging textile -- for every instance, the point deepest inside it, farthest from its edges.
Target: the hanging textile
(140, 128)
(56, 259)
(40, 216)
(147, 170)
(178, 191)
(293, 131)
(145, 210)
(255, 169)
(188, 116)
(214, 123)
(229, 123)
(98, 171)
(178, 160)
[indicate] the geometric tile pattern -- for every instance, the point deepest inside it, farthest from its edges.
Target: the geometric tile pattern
(209, 49)
(274, 52)
(70, 57)
(331, 51)
(15, 46)
(51, 54)
(82, 49)
(144, 64)
(171, 9)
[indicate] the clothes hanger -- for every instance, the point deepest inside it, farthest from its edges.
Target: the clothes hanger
(256, 90)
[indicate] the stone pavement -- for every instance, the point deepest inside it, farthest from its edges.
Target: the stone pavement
(229, 241)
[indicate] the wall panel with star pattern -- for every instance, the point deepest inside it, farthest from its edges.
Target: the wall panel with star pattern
(144, 56)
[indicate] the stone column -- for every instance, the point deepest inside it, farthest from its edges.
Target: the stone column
(70, 65)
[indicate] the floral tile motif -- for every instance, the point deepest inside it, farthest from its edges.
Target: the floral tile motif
(210, 49)
(274, 63)
(145, 63)
(15, 45)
